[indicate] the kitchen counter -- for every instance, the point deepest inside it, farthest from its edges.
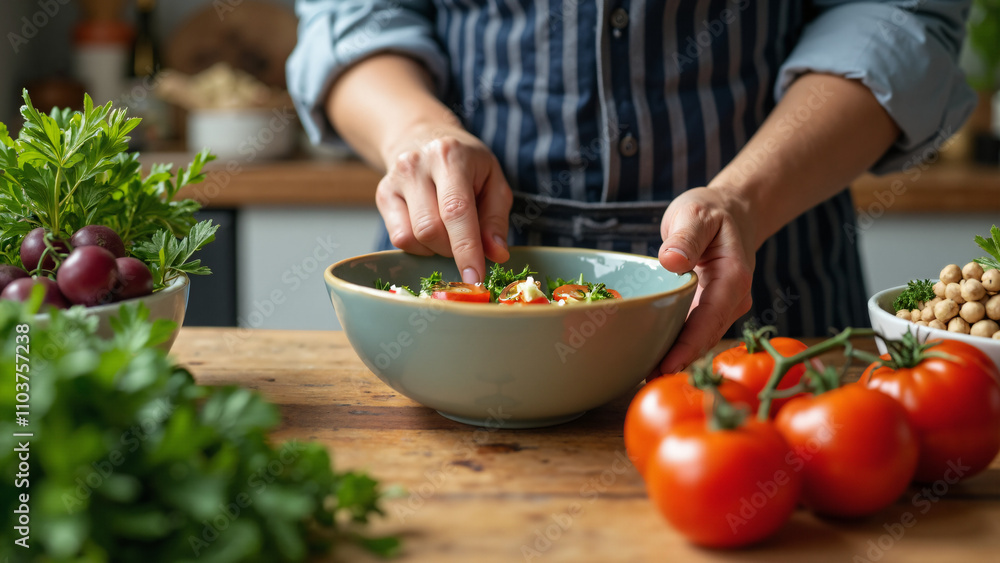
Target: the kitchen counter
(945, 187)
(565, 493)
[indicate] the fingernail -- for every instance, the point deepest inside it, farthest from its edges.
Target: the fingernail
(678, 251)
(470, 275)
(500, 240)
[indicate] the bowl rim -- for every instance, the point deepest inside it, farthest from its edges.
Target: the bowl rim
(333, 281)
(177, 284)
(925, 332)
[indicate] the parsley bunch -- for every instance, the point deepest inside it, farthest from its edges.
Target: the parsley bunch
(992, 247)
(500, 277)
(916, 291)
(131, 460)
(67, 170)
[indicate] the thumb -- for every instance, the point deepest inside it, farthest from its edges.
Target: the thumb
(686, 235)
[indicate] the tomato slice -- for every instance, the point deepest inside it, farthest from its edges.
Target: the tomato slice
(572, 293)
(459, 291)
(511, 295)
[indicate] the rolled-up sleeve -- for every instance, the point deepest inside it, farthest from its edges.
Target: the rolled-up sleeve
(905, 52)
(335, 34)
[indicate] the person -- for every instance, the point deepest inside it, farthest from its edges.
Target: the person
(717, 136)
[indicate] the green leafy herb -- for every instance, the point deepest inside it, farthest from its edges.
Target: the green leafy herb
(597, 292)
(168, 256)
(427, 284)
(992, 247)
(136, 462)
(500, 277)
(916, 291)
(70, 169)
(559, 282)
(594, 292)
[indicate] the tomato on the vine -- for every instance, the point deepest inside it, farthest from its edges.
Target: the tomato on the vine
(951, 393)
(753, 368)
(854, 446)
(666, 401)
(724, 488)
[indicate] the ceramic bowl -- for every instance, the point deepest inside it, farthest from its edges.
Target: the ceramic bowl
(884, 321)
(168, 303)
(512, 367)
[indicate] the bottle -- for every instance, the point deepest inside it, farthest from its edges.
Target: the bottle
(145, 56)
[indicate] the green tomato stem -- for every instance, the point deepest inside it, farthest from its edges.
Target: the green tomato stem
(782, 364)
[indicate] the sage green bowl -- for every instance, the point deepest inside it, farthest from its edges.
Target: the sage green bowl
(511, 367)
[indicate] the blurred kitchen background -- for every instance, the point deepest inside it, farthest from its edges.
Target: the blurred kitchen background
(210, 73)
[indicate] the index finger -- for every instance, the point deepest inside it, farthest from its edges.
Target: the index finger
(457, 206)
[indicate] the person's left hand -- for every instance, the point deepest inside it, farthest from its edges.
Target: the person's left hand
(709, 230)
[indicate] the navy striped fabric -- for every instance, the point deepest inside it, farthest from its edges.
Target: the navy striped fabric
(608, 109)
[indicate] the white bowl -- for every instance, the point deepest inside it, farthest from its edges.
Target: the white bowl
(885, 322)
(242, 134)
(168, 303)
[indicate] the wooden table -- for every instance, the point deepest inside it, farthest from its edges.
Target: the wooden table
(565, 493)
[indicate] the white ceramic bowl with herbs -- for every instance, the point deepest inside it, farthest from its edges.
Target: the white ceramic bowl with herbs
(82, 225)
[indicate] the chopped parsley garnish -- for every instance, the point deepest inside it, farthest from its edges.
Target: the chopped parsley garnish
(427, 284)
(916, 291)
(500, 277)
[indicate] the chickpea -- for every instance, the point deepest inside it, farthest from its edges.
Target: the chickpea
(959, 325)
(927, 315)
(984, 328)
(951, 274)
(937, 324)
(914, 315)
(973, 290)
(991, 280)
(921, 323)
(996, 335)
(972, 271)
(993, 308)
(945, 310)
(954, 292)
(903, 314)
(972, 312)
(934, 302)
(939, 289)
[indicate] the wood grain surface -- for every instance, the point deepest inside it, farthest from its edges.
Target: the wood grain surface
(565, 493)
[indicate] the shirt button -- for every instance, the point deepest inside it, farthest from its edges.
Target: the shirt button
(628, 146)
(619, 18)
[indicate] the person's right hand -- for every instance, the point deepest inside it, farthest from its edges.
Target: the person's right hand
(448, 197)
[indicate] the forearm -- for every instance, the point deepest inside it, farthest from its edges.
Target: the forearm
(378, 105)
(825, 132)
